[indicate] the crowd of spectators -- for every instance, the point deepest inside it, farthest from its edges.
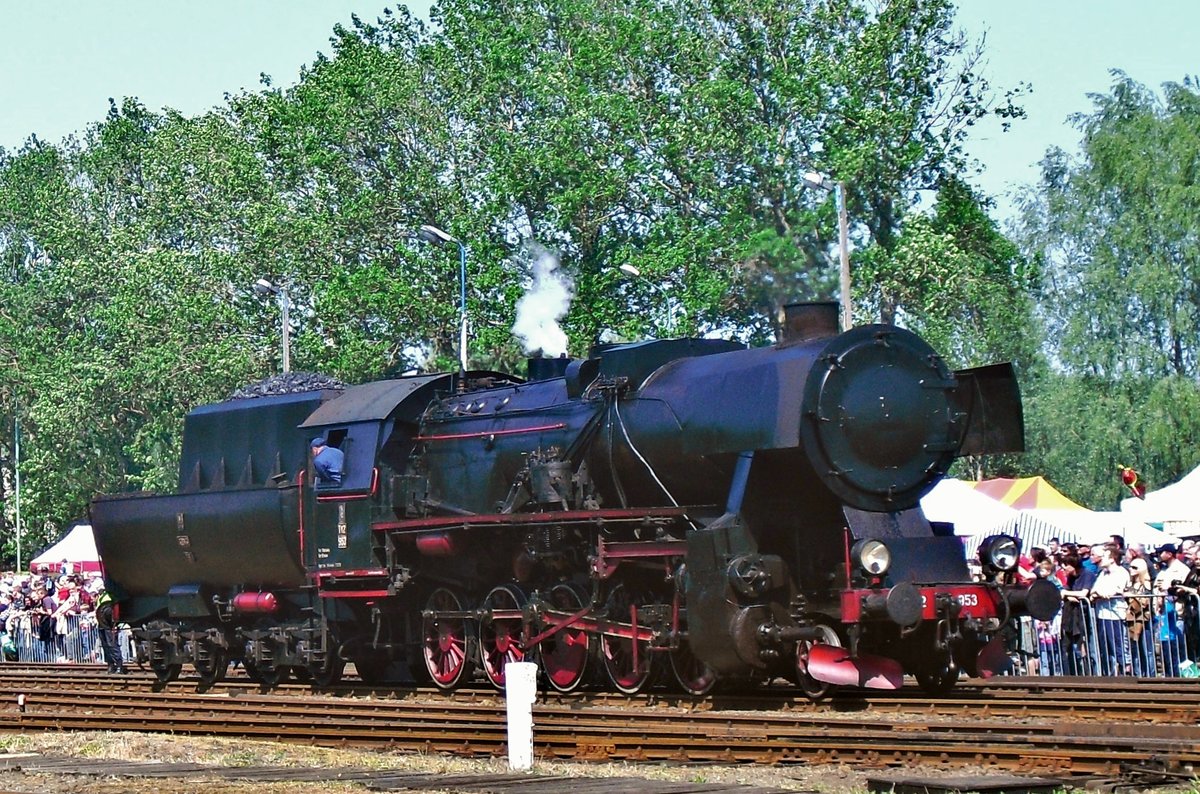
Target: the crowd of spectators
(1127, 610)
(50, 615)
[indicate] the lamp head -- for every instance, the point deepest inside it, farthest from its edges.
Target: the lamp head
(432, 234)
(630, 270)
(264, 287)
(818, 181)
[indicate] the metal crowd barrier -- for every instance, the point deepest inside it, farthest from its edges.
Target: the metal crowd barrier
(1161, 641)
(23, 642)
(1159, 638)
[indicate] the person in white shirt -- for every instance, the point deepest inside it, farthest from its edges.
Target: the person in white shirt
(1108, 600)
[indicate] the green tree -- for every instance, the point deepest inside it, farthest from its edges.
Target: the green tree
(1116, 231)
(670, 137)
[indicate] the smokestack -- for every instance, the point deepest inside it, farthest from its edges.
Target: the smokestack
(805, 321)
(546, 368)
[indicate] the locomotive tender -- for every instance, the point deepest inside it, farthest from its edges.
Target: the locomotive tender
(686, 506)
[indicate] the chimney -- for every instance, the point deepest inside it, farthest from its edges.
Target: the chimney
(547, 368)
(805, 321)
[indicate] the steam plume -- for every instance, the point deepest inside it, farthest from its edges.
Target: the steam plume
(543, 305)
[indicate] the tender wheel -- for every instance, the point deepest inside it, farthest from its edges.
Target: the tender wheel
(811, 687)
(328, 673)
(565, 655)
(500, 638)
(628, 662)
(691, 675)
(166, 673)
(163, 672)
(265, 675)
(212, 662)
(447, 641)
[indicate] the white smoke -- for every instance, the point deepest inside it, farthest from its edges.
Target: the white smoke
(543, 305)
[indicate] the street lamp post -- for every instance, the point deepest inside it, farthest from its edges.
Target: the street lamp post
(813, 179)
(631, 270)
(434, 235)
(264, 287)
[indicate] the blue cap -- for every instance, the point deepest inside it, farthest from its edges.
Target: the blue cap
(319, 441)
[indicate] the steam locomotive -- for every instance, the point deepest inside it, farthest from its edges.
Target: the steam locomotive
(687, 508)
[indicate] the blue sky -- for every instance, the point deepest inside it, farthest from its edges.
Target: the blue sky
(62, 60)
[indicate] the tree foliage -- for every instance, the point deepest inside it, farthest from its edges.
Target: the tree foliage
(1117, 231)
(666, 136)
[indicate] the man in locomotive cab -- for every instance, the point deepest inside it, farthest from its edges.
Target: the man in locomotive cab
(327, 463)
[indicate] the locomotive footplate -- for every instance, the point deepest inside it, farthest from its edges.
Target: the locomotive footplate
(600, 517)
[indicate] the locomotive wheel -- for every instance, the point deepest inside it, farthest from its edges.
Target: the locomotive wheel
(446, 640)
(938, 676)
(811, 687)
(693, 676)
(500, 639)
(627, 661)
(211, 663)
(565, 655)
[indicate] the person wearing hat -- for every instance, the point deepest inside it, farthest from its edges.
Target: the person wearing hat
(1167, 614)
(1173, 571)
(327, 462)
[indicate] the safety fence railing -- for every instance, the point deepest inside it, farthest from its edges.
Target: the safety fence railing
(73, 638)
(1144, 635)
(1151, 635)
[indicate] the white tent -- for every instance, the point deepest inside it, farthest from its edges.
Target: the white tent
(77, 547)
(1088, 526)
(1036, 528)
(1176, 506)
(972, 512)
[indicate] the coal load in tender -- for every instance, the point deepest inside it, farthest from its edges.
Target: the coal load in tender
(287, 383)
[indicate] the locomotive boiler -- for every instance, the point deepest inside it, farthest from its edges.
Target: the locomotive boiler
(686, 507)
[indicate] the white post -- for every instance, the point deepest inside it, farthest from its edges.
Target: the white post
(520, 690)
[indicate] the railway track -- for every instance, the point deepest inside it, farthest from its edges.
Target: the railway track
(1084, 728)
(1148, 701)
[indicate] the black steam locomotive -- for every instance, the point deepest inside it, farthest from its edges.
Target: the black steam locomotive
(684, 506)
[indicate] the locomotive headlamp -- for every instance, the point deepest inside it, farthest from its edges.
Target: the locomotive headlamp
(1000, 552)
(872, 556)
